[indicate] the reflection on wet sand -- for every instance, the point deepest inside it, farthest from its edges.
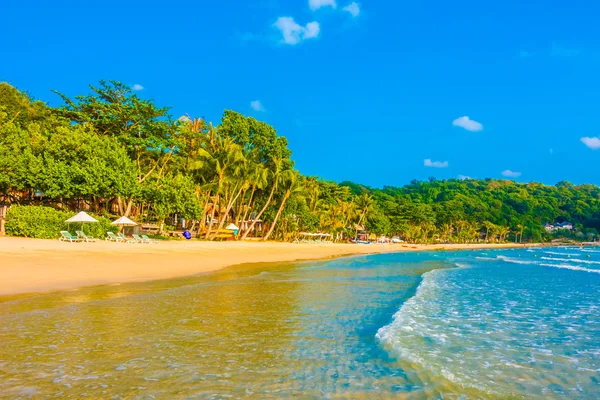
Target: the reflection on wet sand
(250, 331)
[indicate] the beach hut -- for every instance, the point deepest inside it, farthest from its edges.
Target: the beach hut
(81, 217)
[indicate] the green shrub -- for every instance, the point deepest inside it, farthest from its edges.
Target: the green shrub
(97, 230)
(46, 223)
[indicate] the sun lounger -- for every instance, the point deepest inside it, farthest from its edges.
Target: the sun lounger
(138, 239)
(126, 239)
(67, 237)
(111, 237)
(146, 239)
(85, 237)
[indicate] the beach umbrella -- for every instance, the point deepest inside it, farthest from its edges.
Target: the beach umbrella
(123, 221)
(82, 217)
(234, 228)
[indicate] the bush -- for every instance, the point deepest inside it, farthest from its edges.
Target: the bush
(46, 223)
(97, 230)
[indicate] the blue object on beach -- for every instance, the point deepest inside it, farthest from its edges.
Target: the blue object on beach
(187, 235)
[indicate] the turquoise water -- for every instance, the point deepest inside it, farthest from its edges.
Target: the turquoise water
(471, 324)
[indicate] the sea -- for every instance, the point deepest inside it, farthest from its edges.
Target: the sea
(486, 324)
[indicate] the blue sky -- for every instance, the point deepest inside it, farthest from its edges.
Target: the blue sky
(378, 92)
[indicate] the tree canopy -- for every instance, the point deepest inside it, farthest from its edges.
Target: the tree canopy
(113, 152)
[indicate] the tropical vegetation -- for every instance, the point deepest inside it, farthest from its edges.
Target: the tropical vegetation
(114, 153)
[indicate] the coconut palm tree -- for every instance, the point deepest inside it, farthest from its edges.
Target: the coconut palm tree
(293, 184)
(275, 173)
(224, 159)
(502, 231)
(311, 184)
(234, 181)
(520, 227)
(364, 204)
(259, 178)
(489, 227)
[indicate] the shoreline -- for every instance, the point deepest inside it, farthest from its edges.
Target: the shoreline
(32, 266)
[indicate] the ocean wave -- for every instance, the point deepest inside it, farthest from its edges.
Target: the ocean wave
(404, 324)
(575, 260)
(558, 253)
(459, 265)
(590, 251)
(515, 260)
(571, 267)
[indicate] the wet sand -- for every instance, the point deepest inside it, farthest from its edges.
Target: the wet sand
(34, 265)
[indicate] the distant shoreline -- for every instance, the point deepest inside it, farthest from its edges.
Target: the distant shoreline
(36, 266)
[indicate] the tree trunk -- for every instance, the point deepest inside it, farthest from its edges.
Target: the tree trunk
(250, 206)
(283, 201)
(129, 206)
(224, 216)
(204, 211)
(120, 205)
(521, 236)
(237, 215)
(260, 213)
(212, 216)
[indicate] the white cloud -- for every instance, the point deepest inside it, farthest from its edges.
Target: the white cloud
(353, 9)
(294, 33)
(511, 174)
(137, 87)
(464, 177)
(316, 4)
(435, 164)
(257, 106)
(468, 124)
(591, 142)
(312, 30)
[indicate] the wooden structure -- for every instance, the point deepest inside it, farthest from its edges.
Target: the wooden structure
(221, 233)
(245, 225)
(3, 211)
(149, 229)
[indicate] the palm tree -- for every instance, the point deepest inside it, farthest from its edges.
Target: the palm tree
(427, 228)
(312, 187)
(364, 203)
(230, 166)
(502, 231)
(488, 227)
(275, 174)
(520, 227)
(293, 184)
(259, 178)
(446, 230)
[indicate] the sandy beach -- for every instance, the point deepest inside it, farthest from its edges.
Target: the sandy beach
(33, 265)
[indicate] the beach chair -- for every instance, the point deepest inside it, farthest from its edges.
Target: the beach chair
(125, 238)
(146, 239)
(138, 239)
(111, 237)
(85, 237)
(66, 236)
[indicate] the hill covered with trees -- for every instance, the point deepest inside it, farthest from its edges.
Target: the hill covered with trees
(114, 153)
